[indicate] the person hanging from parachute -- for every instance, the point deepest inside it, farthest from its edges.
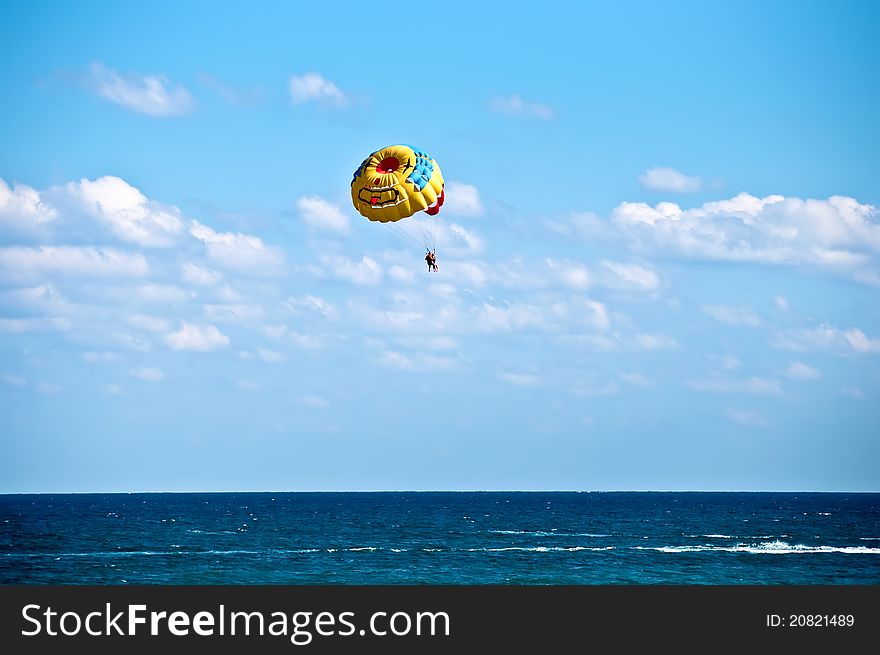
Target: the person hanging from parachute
(396, 182)
(431, 258)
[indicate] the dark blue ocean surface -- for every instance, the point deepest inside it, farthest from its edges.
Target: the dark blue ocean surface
(441, 538)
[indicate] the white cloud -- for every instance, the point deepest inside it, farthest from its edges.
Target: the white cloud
(471, 242)
(401, 274)
(279, 332)
(571, 274)
(315, 401)
(20, 325)
(462, 200)
(506, 318)
(48, 388)
(732, 315)
(728, 362)
(128, 212)
(366, 272)
(323, 215)
(153, 95)
(636, 379)
(430, 343)
(271, 356)
(748, 418)
(854, 392)
(242, 252)
(837, 234)
(147, 373)
(514, 105)
(520, 379)
(826, 337)
(396, 360)
(91, 357)
(752, 385)
(314, 87)
(586, 388)
(800, 371)
(23, 210)
(669, 179)
(311, 304)
(20, 262)
(148, 323)
(13, 380)
(655, 342)
(781, 303)
(197, 337)
(247, 385)
(629, 276)
(195, 274)
(860, 342)
(234, 312)
(162, 293)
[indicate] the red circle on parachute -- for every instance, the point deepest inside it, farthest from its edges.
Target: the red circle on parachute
(388, 165)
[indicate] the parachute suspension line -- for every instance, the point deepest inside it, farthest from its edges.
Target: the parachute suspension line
(401, 233)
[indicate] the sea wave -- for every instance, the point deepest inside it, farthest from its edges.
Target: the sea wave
(538, 549)
(544, 533)
(769, 547)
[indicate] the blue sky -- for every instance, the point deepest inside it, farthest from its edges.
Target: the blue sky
(659, 255)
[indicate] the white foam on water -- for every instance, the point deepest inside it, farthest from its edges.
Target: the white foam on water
(537, 549)
(769, 547)
(544, 533)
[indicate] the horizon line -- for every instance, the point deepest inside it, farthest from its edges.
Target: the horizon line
(406, 491)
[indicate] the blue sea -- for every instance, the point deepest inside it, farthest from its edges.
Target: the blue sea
(441, 538)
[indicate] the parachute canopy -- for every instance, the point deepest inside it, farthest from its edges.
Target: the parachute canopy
(396, 182)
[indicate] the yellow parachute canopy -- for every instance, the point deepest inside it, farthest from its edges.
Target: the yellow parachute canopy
(396, 182)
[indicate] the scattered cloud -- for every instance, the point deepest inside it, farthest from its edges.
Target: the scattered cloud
(618, 275)
(366, 272)
(838, 234)
(271, 356)
(655, 342)
(571, 274)
(323, 215)
(514, 105)
(825, 337)
(751, 385)
(853, 392)
(462, 200)
(147, 374)
(520, 379)
(18, 262)
(747, 418)
(800, 371)
(311, 304)
(196, 337)
(153, 95)
(862, 343)
(148, 323)
(669, 179)
(127, 212)
(245, 253)
(732, 315)
(635, 379)
(162, 293)
(23, 210)
(312, 87)
(319, 402)
(200, 275)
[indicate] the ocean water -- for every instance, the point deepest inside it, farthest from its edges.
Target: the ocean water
(441, 538)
